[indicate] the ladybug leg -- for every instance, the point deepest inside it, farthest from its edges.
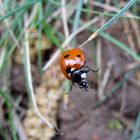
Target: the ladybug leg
(90, 69)
(83, 90)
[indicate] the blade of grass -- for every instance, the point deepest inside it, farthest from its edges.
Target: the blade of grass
(64, 19)
(128, 15)
(8, 27)
(136, 134)
(28, 76)
(110, 22)
(2, 54)
(10, 111)
(119, 44)
(3, 58)
(3, 134)
(110, 8)
(49, 9)
(116, 3)
(114, 18)
(39, 45)
(77, 18)
(6, 42)
(117, 86)
(77, 15)
(49, 32)
(17, 9)
(67, 40)
(27, 5)
(15, 25)
(5, 94)
(135, 10)
(93, 11)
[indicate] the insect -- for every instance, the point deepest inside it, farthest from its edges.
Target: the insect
(73, 65)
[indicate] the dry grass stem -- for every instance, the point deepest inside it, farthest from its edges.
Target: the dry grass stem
(128, 35)
(19, 128)
(64, 19)
(111, 8)
(68, 39)
(2, 54)
(132, 66)
(123, 99)
(28, 22)
(54, 14)
(135, 27)
(8, 26)
(90, 38)
(95, 34)
(99, 61)
(29, 78)
(104, 82)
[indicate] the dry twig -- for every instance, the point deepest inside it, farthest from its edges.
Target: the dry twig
(67, 40)
(104, 82)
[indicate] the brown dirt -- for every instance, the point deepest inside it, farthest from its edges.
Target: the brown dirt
(81, 121)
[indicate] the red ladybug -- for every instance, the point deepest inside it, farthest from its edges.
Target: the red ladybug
(72, 64)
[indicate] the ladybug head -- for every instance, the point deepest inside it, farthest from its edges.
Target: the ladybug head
(83, 84)
(79, 77)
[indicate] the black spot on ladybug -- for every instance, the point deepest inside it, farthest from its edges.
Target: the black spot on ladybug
(66, 56)
(68, 70)
(78, 55)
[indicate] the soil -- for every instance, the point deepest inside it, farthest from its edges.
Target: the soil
(82, 121)
(113, 119)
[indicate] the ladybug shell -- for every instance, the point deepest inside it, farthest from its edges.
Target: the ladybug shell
(73, 59)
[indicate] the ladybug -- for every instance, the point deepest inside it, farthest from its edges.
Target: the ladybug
(73, 65)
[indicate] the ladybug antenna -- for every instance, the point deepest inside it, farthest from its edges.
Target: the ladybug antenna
(85, 89)
(91, 69)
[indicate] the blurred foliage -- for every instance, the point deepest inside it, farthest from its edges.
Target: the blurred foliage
(42, 20)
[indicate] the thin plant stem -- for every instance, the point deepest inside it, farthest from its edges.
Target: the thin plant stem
(110, 22)
(29, 80)
(64, 19)
(67, 40)
(8, 26)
